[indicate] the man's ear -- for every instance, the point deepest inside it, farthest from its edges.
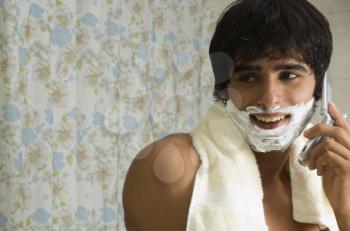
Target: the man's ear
(223, 94)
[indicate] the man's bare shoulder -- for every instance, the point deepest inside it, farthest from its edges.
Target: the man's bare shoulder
(168, 158)
(159, 183)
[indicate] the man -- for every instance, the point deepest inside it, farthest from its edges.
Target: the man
(269, 58)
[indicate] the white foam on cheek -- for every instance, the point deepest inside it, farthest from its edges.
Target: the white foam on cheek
(280, 138)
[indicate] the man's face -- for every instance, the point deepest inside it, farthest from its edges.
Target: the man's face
(268, 83)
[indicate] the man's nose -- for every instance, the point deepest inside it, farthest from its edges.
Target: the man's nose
(270, 95)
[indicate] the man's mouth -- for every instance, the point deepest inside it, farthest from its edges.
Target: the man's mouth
(269, 121)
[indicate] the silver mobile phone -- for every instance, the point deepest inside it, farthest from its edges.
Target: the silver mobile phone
(325, 119)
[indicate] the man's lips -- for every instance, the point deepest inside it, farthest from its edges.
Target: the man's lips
(269, 120)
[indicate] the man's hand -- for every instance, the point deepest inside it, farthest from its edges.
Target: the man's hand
(331, 158)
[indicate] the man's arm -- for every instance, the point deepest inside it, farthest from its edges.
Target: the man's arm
(158, 187)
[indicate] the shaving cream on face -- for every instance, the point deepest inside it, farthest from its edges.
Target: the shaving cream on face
(280, 138)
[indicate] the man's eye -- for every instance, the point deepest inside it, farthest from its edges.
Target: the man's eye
(288, 76)
(247, 78)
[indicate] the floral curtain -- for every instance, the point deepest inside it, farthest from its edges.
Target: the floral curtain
(84, 85)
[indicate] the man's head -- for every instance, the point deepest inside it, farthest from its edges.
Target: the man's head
(249, 30)
(271, 100)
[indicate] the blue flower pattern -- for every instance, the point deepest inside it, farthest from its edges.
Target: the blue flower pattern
(35, 10)
(41, 216)
(61, 36)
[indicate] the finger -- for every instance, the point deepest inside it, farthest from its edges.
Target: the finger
(327, 144)
(338, 117)
(321, 163)
(338, 133)
(330, 159)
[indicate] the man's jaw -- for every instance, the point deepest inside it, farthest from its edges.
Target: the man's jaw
(269, 120)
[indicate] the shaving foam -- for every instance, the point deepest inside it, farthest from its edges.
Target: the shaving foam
(280, 138)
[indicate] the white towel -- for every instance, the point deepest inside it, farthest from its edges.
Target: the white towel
(228, 193)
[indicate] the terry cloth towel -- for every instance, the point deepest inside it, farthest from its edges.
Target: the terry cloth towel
(227, 193)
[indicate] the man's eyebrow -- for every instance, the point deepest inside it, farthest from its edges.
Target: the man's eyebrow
(288, 66)
(296, 67)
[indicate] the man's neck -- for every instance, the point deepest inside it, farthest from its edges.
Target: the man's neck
(273, 166)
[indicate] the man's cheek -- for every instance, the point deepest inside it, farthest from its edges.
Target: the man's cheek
(237, 98)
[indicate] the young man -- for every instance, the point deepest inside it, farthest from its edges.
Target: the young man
(238, 169)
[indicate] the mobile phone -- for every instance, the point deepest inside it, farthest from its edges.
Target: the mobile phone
(325, 119)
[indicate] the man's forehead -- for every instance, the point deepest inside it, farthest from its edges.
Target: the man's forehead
(272, 54)
(273, 61)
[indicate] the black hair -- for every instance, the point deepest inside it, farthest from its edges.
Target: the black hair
(252, 29)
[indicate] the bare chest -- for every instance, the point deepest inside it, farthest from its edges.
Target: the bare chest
(278, 210)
